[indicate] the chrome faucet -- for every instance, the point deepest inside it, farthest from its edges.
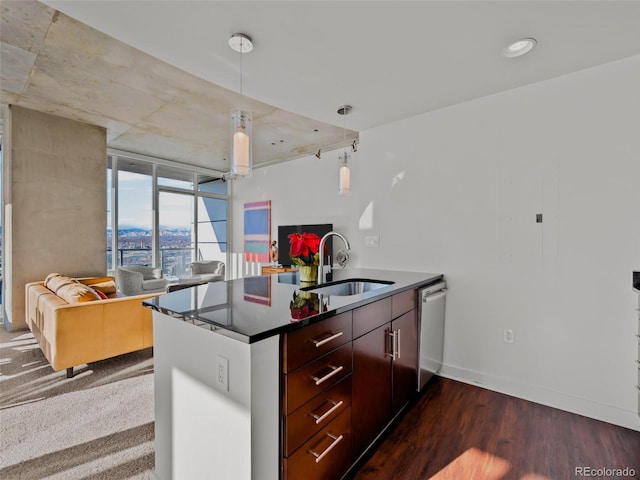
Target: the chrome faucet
(321, 277)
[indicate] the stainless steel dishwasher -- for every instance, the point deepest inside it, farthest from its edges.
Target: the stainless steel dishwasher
(431, 331)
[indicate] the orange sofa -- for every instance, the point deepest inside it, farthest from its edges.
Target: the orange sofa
(86, 327)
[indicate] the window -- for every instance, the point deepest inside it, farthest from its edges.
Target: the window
(135, 213)
(176, 235)
(212, 228)
(188, 208)
(175, 177)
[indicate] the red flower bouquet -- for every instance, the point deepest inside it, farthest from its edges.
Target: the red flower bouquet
(304, 249)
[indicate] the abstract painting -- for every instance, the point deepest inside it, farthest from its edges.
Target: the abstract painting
(257, 231)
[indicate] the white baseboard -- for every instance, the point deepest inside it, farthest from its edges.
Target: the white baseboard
(538, 394)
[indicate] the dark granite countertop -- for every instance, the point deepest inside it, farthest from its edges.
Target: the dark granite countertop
(254, 308)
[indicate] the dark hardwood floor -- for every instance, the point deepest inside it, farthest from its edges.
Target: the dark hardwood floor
(462, 432)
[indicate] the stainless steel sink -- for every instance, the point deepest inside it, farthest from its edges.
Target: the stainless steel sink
(353, 286)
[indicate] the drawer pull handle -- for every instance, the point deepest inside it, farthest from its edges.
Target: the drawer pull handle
(336, 441)
(335, 406)
(333, 371)
(319, 343)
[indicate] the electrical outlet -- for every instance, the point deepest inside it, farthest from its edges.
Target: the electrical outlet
(508, 336)
(372, 241)
(222, 373)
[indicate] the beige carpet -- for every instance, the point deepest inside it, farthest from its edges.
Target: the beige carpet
(97, 425)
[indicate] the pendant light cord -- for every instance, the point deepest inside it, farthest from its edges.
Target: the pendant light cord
(241, 48)
(344, 132)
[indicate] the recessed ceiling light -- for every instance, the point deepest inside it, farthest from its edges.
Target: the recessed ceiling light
(519, 47)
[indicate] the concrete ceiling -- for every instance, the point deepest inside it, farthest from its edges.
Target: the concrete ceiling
(389, 59)
(53, 63)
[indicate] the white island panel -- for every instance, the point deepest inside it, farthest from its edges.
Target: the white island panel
(202, 430)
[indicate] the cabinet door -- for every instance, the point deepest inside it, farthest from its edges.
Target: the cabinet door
(405, 364)
(371, 400)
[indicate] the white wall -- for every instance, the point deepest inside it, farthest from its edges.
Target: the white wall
(457, 191)
(303, 191)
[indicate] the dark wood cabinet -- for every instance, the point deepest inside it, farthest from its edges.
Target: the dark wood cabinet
(404, 371)
(371, 396)
(384, 367)
(345, 379)
(316, 403)
(372, 316)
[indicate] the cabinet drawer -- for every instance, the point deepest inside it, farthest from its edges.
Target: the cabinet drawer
(315, 414)
(370, 317)
(310, 342)
(315, 377)
(403, 302)
(326, 456)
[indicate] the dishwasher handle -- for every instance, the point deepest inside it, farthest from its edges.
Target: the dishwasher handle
(434, 296)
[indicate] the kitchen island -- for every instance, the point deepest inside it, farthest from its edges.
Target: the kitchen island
(242, 366)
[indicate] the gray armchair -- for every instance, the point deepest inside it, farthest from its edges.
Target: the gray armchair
(139, 279)
(208, 271)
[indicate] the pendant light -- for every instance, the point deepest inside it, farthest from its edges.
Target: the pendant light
(241, 151)
(345, 170)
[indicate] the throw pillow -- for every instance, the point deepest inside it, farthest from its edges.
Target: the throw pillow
(101, 294)
(69, 289)
(75, 292)
(54, 281)
(105, 287)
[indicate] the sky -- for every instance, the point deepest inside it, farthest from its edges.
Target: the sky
(135, 203)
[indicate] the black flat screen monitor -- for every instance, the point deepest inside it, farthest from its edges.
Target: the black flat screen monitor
(283, 239)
